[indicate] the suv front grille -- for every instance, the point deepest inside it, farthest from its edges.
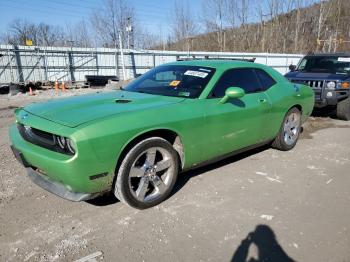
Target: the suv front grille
(316, 84)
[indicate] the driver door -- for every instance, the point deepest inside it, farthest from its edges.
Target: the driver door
(238, 123)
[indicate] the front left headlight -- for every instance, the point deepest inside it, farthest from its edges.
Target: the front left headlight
(70, 145)
(66, 144)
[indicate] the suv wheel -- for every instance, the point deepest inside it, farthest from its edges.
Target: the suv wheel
(289, 131)
(147, 174)
(343, 109)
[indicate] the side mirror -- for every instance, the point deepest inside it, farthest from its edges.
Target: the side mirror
(292, 68)
(232, 92)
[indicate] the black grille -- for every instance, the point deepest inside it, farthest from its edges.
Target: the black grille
(40, 138)
(36, 136)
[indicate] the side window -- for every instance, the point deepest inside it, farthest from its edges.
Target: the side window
(265, 79)
(244, 78)
(302, 64)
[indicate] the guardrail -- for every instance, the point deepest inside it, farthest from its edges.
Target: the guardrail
(24, 63)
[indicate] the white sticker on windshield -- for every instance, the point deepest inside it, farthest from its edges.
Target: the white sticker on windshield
(205, 70)
(196, 73)
(344, 59)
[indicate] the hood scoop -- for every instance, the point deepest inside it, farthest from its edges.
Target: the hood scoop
(122, 101)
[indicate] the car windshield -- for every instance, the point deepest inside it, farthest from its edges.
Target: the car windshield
(325, 64)
(173, 80)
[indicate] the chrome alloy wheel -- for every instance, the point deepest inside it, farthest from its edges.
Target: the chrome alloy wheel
(151, 174)
(291, 128)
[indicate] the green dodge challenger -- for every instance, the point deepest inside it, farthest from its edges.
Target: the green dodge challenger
(175, 117)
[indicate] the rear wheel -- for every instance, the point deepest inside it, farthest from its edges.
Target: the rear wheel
(289, 131)
(147, 173)
(343, 109)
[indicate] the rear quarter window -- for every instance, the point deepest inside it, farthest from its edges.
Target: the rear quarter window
(265, 79)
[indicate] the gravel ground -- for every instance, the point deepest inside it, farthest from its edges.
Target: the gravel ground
(291, 204)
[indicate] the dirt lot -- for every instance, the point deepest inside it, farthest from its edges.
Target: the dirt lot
(295, 204)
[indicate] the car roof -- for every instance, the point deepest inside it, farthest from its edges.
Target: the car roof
(329, 54)
(218, 64)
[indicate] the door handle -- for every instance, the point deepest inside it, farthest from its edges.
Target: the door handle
(262, 100)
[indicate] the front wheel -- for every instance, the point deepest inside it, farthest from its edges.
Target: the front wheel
(147, 173)
(289, 131)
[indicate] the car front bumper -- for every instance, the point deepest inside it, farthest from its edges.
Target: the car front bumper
(57, 188)
(329, 97)
(70, 177)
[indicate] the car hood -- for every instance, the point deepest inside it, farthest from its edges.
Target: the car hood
(315, 76)
(74, 111)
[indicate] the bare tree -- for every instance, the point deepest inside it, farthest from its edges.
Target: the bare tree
(42, 34)
(19, 31)
(110, 22)
(80, 34)
(147, 40)
(183, 25)
(297, 25)
(216, 13)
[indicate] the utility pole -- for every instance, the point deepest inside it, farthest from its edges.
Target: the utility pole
(122, 55)
(129, 31)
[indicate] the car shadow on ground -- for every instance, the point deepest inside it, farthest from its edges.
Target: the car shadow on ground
(267, 247)
(104, 200)
(325, 112)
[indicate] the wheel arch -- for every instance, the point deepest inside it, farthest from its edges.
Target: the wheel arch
(303, 114)
(169, 135)
(298, 106)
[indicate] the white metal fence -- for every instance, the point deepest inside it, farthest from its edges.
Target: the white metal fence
(24, 63)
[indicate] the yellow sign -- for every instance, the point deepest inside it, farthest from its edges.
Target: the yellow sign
(29, 42)
(174, 83)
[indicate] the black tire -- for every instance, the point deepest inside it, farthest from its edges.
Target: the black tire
(124, 188)
(280, 140)
(343, 109)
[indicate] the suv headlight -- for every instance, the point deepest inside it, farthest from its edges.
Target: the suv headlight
(331, 85)
(65, 144)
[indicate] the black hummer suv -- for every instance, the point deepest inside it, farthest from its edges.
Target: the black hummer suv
(329, 77)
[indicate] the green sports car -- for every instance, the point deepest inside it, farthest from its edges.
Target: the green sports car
(175, 117)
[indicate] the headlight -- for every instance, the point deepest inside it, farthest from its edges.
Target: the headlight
(61, 142)
(331, 85)
(70, 146)
(65, 144)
